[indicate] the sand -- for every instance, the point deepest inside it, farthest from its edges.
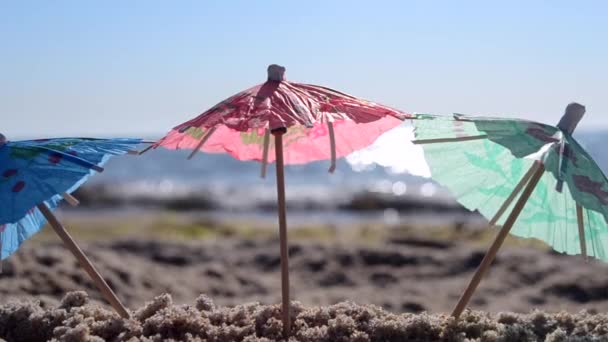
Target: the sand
(406, 275)
(403, 277)
(74, 319)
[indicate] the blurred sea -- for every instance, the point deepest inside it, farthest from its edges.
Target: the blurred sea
(225, 184)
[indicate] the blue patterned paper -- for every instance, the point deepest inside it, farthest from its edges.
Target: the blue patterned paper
(37, 171)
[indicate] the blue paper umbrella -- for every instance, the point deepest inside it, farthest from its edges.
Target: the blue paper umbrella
(35, 175)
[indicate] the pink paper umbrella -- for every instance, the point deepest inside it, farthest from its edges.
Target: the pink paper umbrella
(308, 122)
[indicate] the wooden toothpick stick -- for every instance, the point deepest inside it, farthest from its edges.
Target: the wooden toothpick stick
(445, 140)
(73, 201)
(278, 147)
(146, 149)
(265, 147)
(524, 180)
(101, 284)
(581, 231)
(202, 142)
(498, 241)
(332, 146)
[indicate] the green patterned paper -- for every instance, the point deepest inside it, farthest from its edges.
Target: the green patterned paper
(482, 173)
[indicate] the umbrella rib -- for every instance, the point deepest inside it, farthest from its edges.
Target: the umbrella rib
(151, 145)
(265, 153)
(75, 159)
(202, 142)
(332, 144)
(444, 140)
(524, 180)
(146, 149)
(581, 231)
(561, 165)
(70, 199)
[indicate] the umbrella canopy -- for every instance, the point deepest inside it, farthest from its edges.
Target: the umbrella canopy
(321, 121)
(482, 173)
(13, 235)
(33, 171)
(309, 123)
(487, 162)
(35, 175)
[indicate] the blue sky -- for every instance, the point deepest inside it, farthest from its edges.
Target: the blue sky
(118, 68)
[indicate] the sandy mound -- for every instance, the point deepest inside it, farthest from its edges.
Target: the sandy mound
(77, 320)
(400, 276)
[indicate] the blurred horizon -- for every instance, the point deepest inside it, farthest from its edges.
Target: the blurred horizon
(587, 131)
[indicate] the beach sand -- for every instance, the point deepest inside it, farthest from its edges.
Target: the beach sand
(406, 283)
(74, 319)
(403, 276)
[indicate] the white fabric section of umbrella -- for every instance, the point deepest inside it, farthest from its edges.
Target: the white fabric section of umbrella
(394, 150)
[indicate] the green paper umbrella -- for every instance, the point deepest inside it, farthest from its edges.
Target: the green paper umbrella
(533, 180)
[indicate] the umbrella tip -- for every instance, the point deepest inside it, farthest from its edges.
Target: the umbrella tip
(276, 72)
(574, 113)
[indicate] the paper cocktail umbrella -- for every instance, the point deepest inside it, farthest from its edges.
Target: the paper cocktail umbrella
(35, 175)
(308, 123)
(532, 180)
